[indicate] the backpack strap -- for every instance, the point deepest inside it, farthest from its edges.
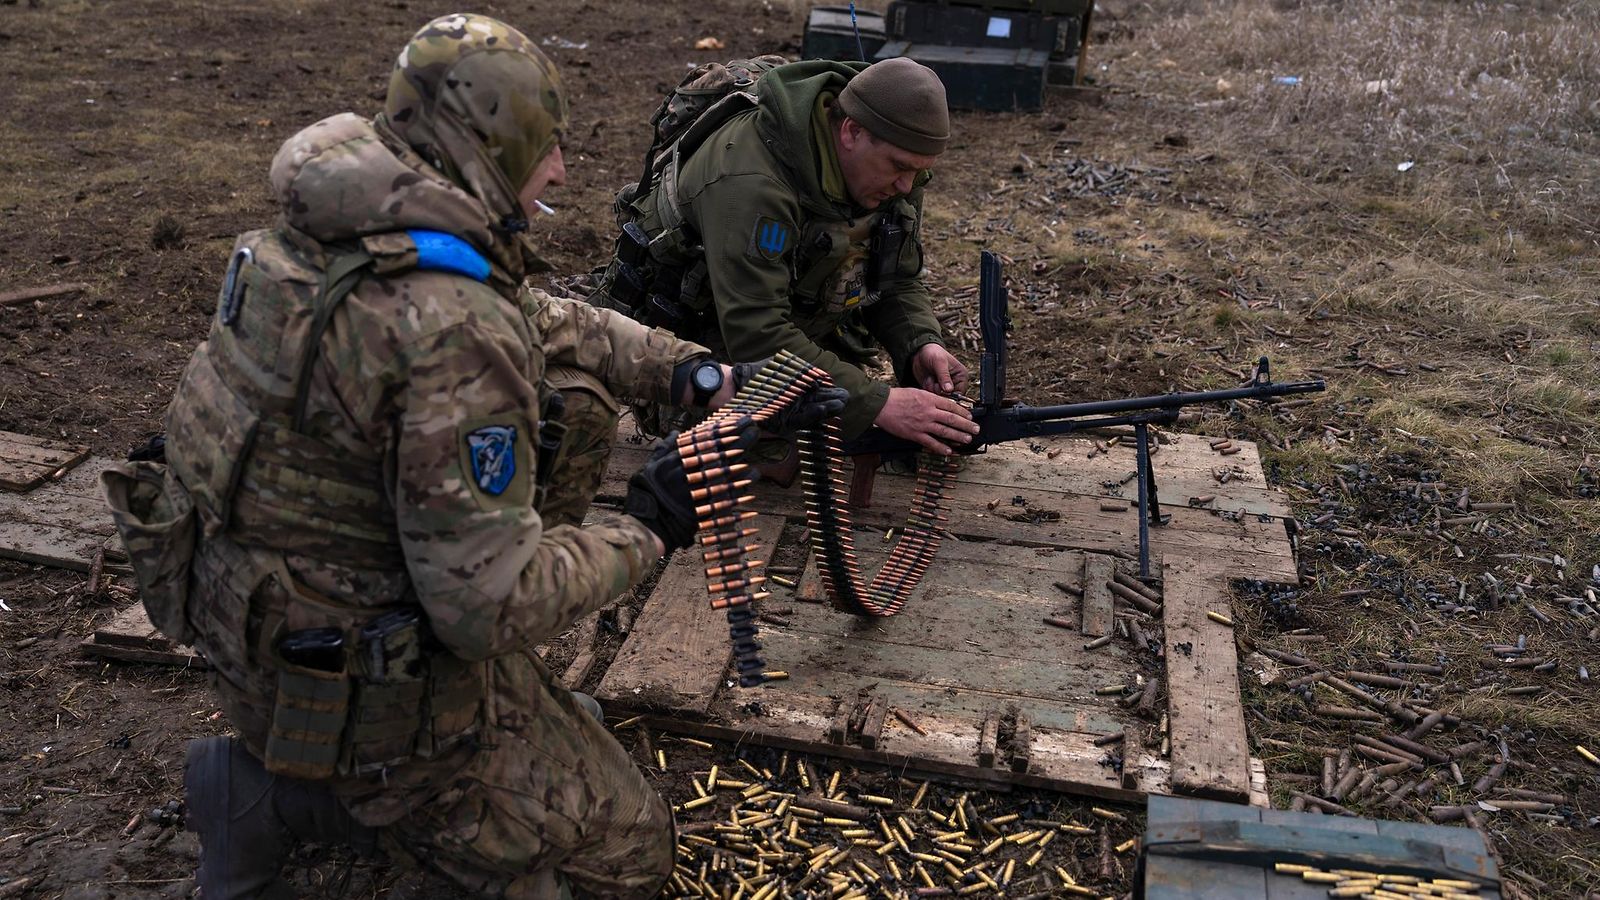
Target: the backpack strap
(668, 208)
(345, 270)
(437, 251)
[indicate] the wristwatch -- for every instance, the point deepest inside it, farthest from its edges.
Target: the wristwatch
(706, 379)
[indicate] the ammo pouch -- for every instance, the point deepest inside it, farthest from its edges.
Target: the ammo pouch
(156, 519)
(399, 696)
(308, 719)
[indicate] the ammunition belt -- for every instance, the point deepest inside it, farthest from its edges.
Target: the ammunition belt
(716, 477)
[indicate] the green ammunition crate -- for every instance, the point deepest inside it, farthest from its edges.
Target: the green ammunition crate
(921, 22)
(829, 34)
(991, 78)
(1048, 7)
(1204, 849)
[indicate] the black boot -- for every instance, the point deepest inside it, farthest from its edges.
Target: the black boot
(249, 820)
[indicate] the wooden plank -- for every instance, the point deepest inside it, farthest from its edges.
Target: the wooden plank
(43, 292)
(1210, 751)
(1259, 796)
(1249, 547)
(27, 462)
(872, 729)
(583, 661)
(988, 736)
(678, 652)
(49, 545)
(1183, 468)
(1022, 743)
(1097, 605)
(130, 637)
(824, 662)
(1059, 760)
(1132, 752)
(916, 699)
(62, 523)
(961, 607)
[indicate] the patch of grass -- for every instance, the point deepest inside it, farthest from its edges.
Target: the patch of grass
(1552, 397)
(1559, 355)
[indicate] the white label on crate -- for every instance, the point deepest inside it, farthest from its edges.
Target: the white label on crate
(999, 27)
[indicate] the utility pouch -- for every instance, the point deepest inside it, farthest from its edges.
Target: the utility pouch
(552, 432)
(155, 517)
(883, 252)
(313, 700)
(629, 286)
(389, 692)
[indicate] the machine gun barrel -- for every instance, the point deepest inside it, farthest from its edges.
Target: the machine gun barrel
(1162, 401)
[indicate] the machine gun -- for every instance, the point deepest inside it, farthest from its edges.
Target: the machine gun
(999, 421)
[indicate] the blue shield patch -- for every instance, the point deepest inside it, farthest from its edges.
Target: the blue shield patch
(492, 450)
(769, 239)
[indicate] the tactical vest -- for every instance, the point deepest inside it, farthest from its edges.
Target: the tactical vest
(246, 483)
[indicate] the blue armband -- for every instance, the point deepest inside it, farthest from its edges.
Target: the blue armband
(440, 251)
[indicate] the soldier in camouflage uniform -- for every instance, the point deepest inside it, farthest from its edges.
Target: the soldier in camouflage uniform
(794, 220)
(349, 523)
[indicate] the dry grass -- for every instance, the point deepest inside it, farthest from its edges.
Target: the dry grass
(1454, 309)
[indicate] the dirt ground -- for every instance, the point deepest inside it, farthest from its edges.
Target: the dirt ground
(1400, 197)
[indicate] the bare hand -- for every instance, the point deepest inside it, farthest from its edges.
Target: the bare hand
(937, 423)
(936, 370)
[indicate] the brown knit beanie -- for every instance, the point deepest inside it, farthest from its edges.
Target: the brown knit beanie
(900, 101)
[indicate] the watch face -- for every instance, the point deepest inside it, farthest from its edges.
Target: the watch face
(708, 378)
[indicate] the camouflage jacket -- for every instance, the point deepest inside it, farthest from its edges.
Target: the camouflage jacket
(784, 246)
(428, 381)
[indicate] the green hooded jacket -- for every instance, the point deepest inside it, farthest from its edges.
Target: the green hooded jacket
(785, 246)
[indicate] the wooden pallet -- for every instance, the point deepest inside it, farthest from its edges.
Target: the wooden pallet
(1002, 697)
(61, 523)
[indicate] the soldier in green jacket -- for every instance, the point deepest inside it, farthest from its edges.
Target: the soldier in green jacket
(794, 219)
(365, 526)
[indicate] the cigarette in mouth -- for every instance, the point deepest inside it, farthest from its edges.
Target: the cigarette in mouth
(544, 207)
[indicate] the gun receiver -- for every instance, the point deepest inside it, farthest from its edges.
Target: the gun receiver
(999, 422)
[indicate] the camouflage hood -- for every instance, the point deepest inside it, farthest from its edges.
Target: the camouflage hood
(473, 107)
(339, 180)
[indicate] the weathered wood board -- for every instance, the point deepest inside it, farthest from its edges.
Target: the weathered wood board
(680, 666)
(27, 462)
(1185, 467)
(1210, 749)
(969, 658)
(988, 507)
(60, 523)
(131, 637)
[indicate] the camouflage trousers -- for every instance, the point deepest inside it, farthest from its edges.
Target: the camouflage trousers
(551, 796)
(550, 790)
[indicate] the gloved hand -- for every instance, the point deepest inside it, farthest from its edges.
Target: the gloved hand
(658, 496)
(809, 410)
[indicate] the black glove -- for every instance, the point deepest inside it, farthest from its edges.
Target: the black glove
(658, 496)
(808, 411)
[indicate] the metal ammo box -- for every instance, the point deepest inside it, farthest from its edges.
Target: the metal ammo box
(1203, 849)
(970, 26)
(829, 34)
(994, 78)
(1060, 28)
